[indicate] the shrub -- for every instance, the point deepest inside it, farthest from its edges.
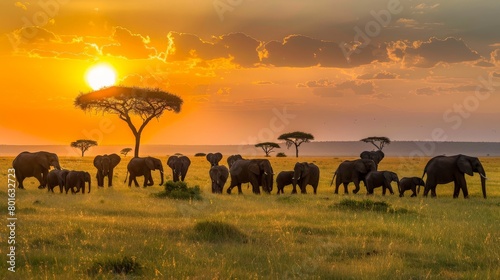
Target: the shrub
(280, 154)
(180, 190)
(200, 155)
(215, 231)
(123, 266)
(368, 205)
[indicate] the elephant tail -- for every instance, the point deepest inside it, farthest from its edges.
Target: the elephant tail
(126, 175)
(334, 174)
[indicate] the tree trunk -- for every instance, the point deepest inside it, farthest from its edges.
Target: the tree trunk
(137, 144)
(296, 151)
(83, 152)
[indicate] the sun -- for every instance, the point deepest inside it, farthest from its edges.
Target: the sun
(100, 75)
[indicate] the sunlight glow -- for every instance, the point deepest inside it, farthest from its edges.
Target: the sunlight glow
(100, 75)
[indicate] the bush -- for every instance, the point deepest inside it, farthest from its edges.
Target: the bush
(180, 190)
(215, 231)
(368, 205)
(123, 266)
(200, 155)
(280, 154)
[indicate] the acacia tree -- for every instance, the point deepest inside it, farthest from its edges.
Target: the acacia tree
(125, 151)
(83, 145)
(267, 147)
(377, 141)
(126, 102)
(296, 138)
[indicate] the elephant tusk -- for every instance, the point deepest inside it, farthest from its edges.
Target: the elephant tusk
(265, 173)
(486, 178)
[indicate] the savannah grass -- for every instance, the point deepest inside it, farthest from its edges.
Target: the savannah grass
(129, 233)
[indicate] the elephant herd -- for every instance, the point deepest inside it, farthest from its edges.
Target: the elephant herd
(256, 172)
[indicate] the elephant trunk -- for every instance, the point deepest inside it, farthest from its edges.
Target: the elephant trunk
(161, 176)
(89, 183)
(483, 183)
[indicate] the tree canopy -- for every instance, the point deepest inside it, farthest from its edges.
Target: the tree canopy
(377, 141)
(296, 138)
(268, 147)
(83, 145)
(125, 102)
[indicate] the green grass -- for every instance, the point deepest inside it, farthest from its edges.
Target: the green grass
(128, 233)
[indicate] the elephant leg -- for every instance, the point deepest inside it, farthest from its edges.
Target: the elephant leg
(110, 179)
(456, 189)
(134, 178)
(315, 187)
(346, 191)
(303, 188)
(463, 186)
(414, 191)
(39, 177)
(99, 178)
(20, 179)
(337, 184)
(356, 184)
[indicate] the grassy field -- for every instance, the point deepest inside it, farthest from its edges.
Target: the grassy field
(323, 236)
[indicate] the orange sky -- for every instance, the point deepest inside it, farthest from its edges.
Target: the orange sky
(251, 70)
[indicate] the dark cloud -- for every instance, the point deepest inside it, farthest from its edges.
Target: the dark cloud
(484, 63)
(425, 91)
(429, 53)
(380, 75)
(451, 89)
(303, 51)
(238, 46)
(129, 45)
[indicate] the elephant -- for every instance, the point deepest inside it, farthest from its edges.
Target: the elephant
(56, 178)
(232, 159)
(410, 183)
(382, 179)
(77, 179)
(376, 156)
(36, 165)
(352, 171)
(214, 158)
(105, 165)
(257, 172)
(180, 166)
(284, 179)
(218, 175)
(305, 174)
(142, 167)
(447, 169)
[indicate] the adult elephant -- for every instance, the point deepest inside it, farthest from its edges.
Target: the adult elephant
(447, 169)
(352, 171)
(410, 183)
(55, 178)
(36, 165)
(105, 165)
(218, 175)
(77, 179)
(382, 179)
(305, 174)
(214, 158)
(179, 166)
(142, 166)
(376, 156)
(232, 159)
(257, 172)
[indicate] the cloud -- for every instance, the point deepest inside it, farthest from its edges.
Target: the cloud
(429, 91)
(380, 75)
(426, 54)
(423, 8)
(303, 51)
(263, 83)
(327, 88)
(21, 5)
(238, 47)
(496, 75)
(484, 63)
(129, 45)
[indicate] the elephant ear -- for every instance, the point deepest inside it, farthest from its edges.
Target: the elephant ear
(171, 161)
(388, 176)
(42, 159)
(150, 163)
(464, 166)
(209, 157)
(360, 167)
(186, 162)
(218, 157)
(254, 168)
(418, 181)
(98, 162)
(115, 159)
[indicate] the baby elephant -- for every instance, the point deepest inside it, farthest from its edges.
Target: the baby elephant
(410, 183)
(56, 177)
(382, 179)
(218, 174)
(77, 179)
(284, 179)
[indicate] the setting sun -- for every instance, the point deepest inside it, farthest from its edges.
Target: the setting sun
(100, 75)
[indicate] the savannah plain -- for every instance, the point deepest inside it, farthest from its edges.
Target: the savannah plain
(323, 236)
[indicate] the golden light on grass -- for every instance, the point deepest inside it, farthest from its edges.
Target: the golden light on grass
(100, 75)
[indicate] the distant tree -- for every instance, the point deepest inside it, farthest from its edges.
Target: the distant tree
(296, 138)
(200, 154)
(377, 141)
(126, 102)
(280, 154)
(268, 147)
(125, 151)
(83, 145)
